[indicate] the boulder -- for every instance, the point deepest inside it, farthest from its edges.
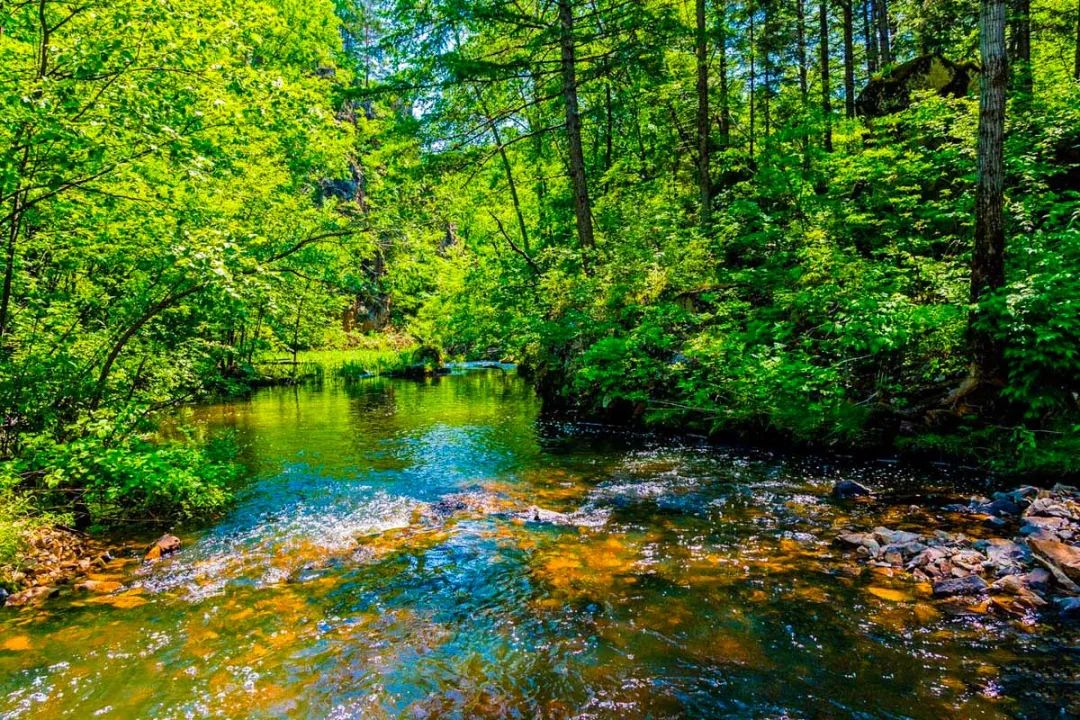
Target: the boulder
(1053, 507)
(32, 596)
(853, 539)
(849, 489)
(1062, 560)
(968, 585)
(1014, 585)
(885, 536)
(891, 91)
(164, 546)
(1052, 528)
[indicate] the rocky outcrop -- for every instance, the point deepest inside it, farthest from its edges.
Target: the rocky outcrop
(891, 91)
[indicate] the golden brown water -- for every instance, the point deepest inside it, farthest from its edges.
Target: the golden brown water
(693, 582)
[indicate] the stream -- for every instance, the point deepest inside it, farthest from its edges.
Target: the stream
(387, 560)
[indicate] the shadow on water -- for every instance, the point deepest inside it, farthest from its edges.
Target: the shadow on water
(689, 581)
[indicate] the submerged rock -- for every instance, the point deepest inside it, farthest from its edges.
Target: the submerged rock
(32, 596)
(849, 489)
(164, 546)
(540, 515)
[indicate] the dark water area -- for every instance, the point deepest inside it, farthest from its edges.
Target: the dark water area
(688, 581)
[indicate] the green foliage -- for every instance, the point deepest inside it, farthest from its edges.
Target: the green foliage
(133, 480)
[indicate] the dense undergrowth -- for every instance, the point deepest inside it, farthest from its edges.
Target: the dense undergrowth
(827, 308)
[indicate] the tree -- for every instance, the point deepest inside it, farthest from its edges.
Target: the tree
(826, 89)
(870, 36)
(703, 121)
(582, 204)
(988, 258)
(849, 58)
(1076, 60)
(884, 31)
(1020, 57)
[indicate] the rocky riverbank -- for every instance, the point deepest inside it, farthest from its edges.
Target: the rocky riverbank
(51, 557)
(1026, 560)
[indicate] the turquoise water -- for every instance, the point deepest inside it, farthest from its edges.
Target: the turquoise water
(682, 581)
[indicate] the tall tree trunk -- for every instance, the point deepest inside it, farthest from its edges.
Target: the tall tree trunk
(988, 259)
(849, 58)
(800, 40)
(609, 130)
(508, 170)
(884, 41)
(582, 206)
(702, 51)
(1021, 56)
(753, 79)
(804, 83)
(1076, 60)
(871, 38)
(826, 90)
(725, 103)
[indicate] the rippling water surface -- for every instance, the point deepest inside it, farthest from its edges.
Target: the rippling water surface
(682, 581)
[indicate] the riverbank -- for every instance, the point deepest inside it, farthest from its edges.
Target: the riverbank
(1016, 552)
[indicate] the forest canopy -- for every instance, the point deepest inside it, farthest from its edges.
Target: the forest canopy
(846, 223)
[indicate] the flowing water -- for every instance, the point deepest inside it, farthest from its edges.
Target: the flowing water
(685, 581)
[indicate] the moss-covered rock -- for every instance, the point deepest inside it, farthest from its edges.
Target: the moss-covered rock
(891, 91)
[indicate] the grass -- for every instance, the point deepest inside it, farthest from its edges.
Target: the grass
(343, 364)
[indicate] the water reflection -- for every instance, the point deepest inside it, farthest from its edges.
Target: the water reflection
(679, 581)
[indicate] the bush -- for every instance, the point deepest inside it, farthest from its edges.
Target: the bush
(135, 480)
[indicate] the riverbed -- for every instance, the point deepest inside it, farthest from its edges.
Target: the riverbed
(689, 581)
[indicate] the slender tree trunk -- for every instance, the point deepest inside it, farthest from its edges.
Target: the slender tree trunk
(1021, 56)
(804, 83)
(296, 330)
(988, 259)
(870, 37)
(702, 51)
(9, 258)
(725, 103)
(849, 58)
(1076, 60)
(884, 41)
(753, 80)
(826, 90)
(609, 129)
(582, 206)
(509, 172)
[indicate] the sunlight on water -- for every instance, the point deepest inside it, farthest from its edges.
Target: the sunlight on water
(429, 550)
